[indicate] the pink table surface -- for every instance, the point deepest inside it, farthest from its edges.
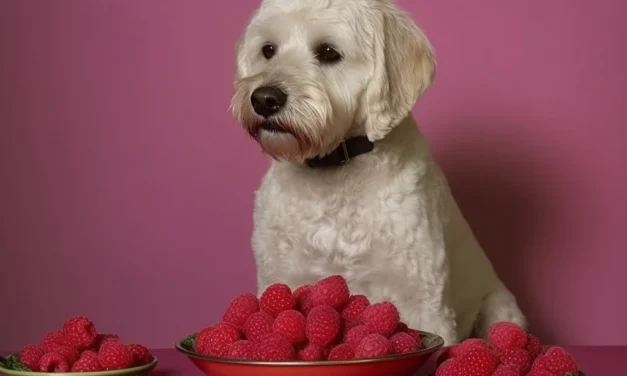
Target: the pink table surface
(595, 361)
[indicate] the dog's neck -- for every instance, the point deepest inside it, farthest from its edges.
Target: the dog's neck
(404, 140)
(348, 149)
(406, 133)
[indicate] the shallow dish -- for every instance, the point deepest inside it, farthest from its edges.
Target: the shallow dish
(121, 372)
(395, 365)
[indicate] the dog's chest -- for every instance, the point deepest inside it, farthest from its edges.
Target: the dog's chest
(312, 229)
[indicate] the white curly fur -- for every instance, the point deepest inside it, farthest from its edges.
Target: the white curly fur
(386, 220)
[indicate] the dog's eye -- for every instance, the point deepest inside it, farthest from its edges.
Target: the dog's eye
(327, 54)
(268, 51)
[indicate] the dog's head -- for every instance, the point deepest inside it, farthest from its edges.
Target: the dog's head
(312, 72)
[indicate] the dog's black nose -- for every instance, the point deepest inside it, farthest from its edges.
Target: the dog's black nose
(268, 100)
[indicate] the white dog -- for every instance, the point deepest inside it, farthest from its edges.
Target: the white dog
(326, 88)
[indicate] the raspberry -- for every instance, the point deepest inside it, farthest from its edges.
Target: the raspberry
(381, 318)
(241, 350)
(481, 360)
(476, 361)
(202, 339)
(88, 362)
(354, 336)
(355, 307)
(52, 341)
(311, 353)
(101, 339)
(331, 291)
(342, 352)
(291, 325)
(258, 325)
(557, 361)
(402, 343)
(141, 355)
(240, 309)
(518, 359)
(401, 328)
(307, 305)
(273, 348)
(276, 299)
(301, 293)
(115, 355)
(505, 335)
(348, 325)
(323, 325)
(69, 353)
(415, 335)
(534, 347)
(239, 330)
(540, 372)
(372, 346)
(462, 348)
(80, 332)
(505, 370)
(216, 341)
(451, 367)
(30, 356)
(325, 352)
(89, 353)
(53, 362)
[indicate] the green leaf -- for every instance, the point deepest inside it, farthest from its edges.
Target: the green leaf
(12, 362)
(189, 342)
(18, 366)
(9, 360)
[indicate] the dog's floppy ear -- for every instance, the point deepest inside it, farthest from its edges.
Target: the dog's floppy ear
(241, 62)
(242, 47)
(404, 69)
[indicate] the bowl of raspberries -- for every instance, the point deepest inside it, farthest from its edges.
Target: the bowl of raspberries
(316, 329)
(78, 349)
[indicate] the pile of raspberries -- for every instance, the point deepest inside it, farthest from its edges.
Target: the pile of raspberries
(79, 348)
(509, 352)
(312, 323)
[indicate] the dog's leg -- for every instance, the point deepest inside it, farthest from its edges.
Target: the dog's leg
(270, 270)
(293, 282)
(429, 309)
(439, 320)
(499, 305)
(262, 284)
(265, 260)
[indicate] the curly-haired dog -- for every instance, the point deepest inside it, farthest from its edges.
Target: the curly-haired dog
(326, 88)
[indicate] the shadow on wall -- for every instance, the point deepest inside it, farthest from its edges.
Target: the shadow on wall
(505, 194)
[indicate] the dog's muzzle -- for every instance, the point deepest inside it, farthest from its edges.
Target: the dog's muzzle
(268, 100)
(272, 126)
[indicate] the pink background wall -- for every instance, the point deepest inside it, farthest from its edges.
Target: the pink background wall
(126, 188)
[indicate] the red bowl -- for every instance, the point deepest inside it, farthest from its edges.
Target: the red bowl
(395, 365)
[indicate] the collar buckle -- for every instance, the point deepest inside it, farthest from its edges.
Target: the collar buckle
(345, 153)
